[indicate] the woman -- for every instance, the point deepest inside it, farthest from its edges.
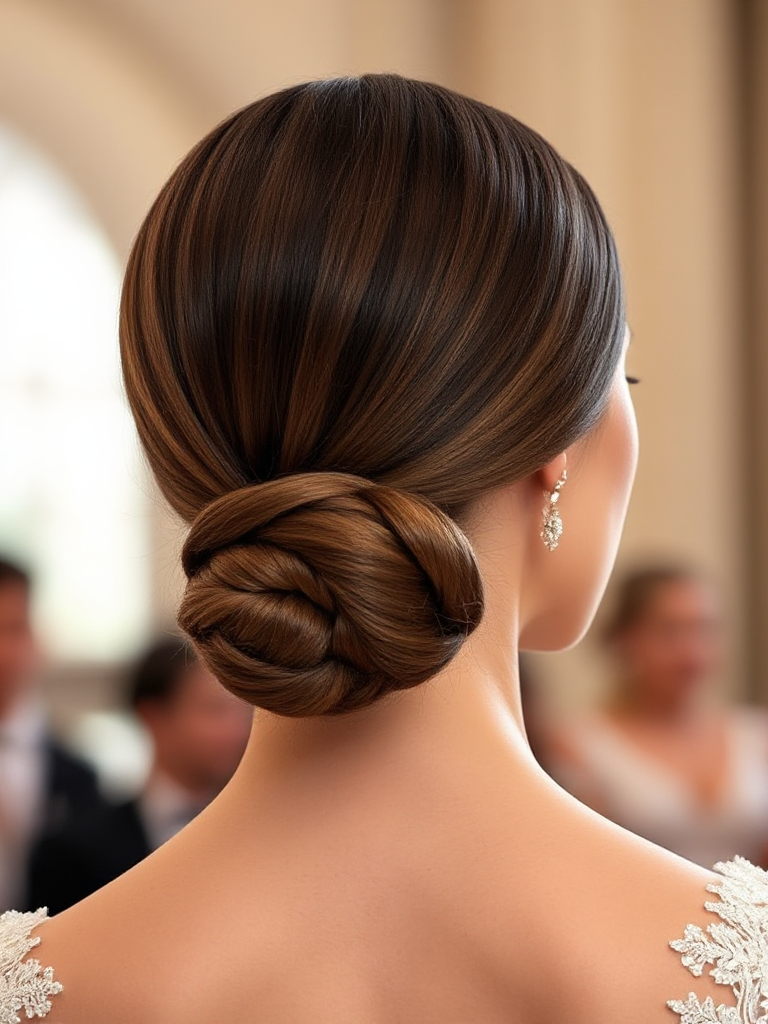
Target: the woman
(661, 759)
(365, 326)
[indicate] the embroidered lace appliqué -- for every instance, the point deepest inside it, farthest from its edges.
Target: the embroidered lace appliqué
(736, 947)
(24, 984)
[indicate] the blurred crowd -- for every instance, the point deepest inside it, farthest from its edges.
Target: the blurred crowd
(61, 838)
(664, 755)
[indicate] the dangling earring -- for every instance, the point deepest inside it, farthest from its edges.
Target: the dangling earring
(552, 530)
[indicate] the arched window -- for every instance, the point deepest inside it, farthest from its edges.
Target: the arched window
(73, 502)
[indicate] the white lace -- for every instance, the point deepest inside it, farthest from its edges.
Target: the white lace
(24, 984)
(736, 948)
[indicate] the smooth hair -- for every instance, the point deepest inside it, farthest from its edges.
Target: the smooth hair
(12, 572)
(158, 674)
(357, 306)
(637, 591)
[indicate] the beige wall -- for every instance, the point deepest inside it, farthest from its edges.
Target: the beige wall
(642, 97)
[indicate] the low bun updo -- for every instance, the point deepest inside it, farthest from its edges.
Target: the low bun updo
(318, 593)
(357, 306)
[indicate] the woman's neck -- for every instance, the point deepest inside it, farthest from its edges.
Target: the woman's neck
(466, 719)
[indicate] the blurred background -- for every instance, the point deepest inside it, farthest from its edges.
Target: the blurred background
(662, 104)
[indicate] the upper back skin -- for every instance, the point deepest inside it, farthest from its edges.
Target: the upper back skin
(457, 901)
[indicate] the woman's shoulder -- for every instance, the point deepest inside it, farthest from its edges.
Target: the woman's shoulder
(622, 930)
(26, 986)
(599, 926)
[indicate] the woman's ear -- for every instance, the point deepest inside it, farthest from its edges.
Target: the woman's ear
(549, 475)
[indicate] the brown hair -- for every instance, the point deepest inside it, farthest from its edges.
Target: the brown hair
(638, 590)
(358, 305)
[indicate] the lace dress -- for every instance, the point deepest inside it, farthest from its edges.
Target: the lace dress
(733, 949)
(25, 986)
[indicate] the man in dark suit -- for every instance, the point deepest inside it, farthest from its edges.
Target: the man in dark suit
(198, 732)
(41, 785)
(85, 851)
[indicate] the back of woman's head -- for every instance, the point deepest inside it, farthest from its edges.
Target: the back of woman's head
(357, 306)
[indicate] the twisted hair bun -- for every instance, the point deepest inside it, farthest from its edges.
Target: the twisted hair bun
(318, 593)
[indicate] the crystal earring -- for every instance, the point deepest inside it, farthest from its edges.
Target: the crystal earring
(552, 529)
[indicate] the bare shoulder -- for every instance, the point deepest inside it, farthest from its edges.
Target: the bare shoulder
(559, 915)
(626, 931)
(102, 953)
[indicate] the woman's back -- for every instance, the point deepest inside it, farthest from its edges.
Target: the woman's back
(513, 906)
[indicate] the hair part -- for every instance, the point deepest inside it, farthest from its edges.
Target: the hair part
(357, 306)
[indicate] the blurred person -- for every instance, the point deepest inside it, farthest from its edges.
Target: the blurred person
(373, 336)
(198, 732)
(41, 784)
(662, 758)
(535, 712)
